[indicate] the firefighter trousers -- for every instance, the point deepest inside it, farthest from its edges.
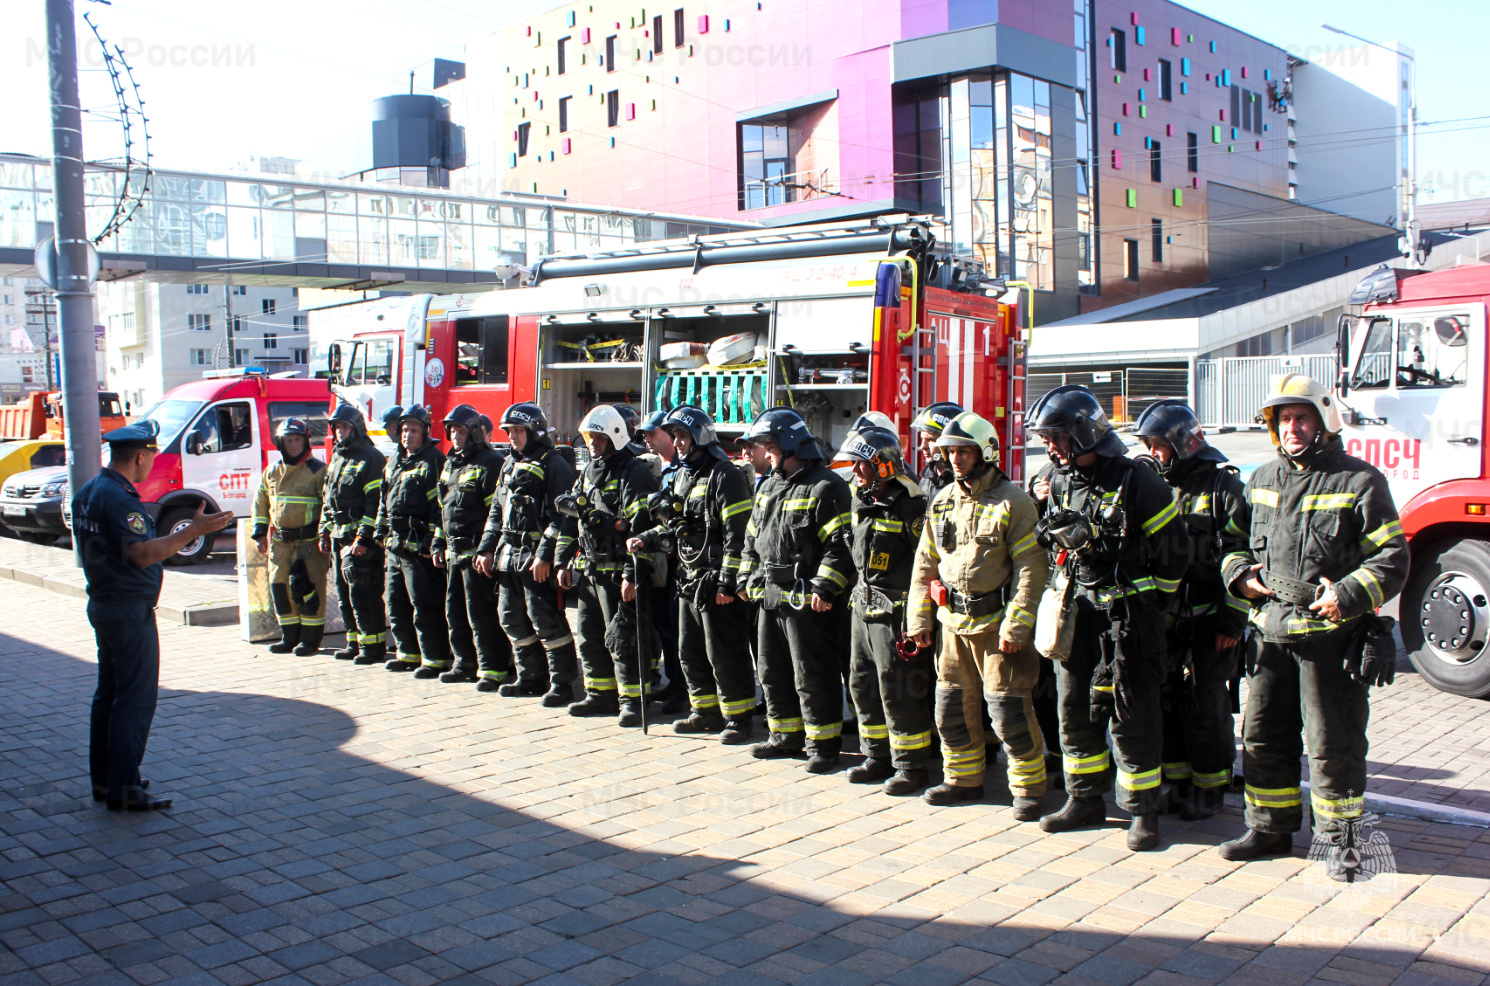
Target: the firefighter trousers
(534, 623)
(1298, 695)
(802, 678)
(1199, 734)
(972, 670)
(290, 601)
(361, 602)
(714, 648)
(477, 642)
(596, 600)
(889, 693)
(1136, 741)
(415, 596)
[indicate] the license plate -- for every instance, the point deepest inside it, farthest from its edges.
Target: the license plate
(10, 511)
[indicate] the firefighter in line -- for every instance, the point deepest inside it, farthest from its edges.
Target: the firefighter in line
(798, 565)
(1199, 735)
(703, 513)
(663, 603)
(889, 680)
(978, 574)
(1325, 550)
(468, 485)
(609, 502)
(524, 533)
(414, 590)
(1112, 527)
(936, 473)
(288, 506)
(349, 517)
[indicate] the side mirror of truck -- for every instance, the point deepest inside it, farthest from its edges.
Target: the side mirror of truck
(1342, 355)
(333, 360)
(193, 444)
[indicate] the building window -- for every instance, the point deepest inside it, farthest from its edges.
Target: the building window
(1156, 161)
(1118, 44)
(1157, 228)
(562, 44)
(271, 341)
(610, 53)
(240, 357)
(267, 306)
(199, 357)
(657, 35)
(239, 289)
(240, 323)
(299, 355)
(199, 323)
(302, 323)
(613, 108)
(563, 118)
(1166, 73)
(918, 148)
(1130, 259)
(1192, 153)
(196, 289)
(522, 134)
(28, 374)
(765, 161)
(678, 28)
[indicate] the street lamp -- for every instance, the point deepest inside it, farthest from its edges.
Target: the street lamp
(1411, 225)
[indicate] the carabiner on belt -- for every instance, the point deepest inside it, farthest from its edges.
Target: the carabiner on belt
(796, 597)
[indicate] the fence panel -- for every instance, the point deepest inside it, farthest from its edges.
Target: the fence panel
(1145, 385)
(1230, 391)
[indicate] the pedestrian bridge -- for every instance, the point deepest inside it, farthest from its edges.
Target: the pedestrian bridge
(282, 231)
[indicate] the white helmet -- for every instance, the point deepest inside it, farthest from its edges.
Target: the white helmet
(606, 420)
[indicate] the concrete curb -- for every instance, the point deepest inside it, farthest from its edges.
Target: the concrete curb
(211, 614)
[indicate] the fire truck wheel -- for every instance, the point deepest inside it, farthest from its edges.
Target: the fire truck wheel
(1445, 617)
(196, 551)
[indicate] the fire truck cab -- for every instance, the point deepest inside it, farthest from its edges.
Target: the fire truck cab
(1413, 401)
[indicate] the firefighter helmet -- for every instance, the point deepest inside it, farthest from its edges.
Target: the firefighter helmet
(604, 419)
(877, 446)
(630, 416)
(347, 413)
(390, 420)
(1171, 420)
(526, 414)
(872, 419)
(1296, 388)
(288, 427)
(418, 413)
(486, 425)
(695, 421)
(1075, 412)
(935, 417)
(970, 428)
(468, 418)
(785, 428)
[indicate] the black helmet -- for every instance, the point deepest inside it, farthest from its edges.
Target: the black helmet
(486, 425)
(1171, 420)
(693, 420)
(786, 429)
(464, 415)
(935, 417)
(630, 416)
(349, 414)
(391, 418)
(419, 413)
(877, 446)
(288, 427)
(1075, 412)
(526, 414)
(346, 412)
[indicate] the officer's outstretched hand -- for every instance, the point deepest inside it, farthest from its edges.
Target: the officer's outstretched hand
(819, 604)
(628, 591)
(1251, 585)
(1328, 604)
(566, 579)
(204, 523)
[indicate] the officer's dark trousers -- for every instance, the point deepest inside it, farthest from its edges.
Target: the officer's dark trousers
(714, 646)
(1199, 734)
(535, 624)
(415, 594)
(1300, 692)
(802, 677)
(1136, 742)
(124, 701)
(889, 693)
(597, 598)
(663, 604)
(361, 602)
(476, 638)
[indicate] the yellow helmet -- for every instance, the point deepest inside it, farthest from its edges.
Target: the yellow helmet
(1296, 388)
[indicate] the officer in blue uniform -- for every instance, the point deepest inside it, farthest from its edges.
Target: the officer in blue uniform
(122, 560)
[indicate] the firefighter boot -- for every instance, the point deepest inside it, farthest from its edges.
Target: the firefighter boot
(458, 676)
(950, 794)
(905, 783)
(699, 723)
(1143, 832)
(631, 715)
(822, 761)
(372, 654)
(1256, 845)
(349, 652)
(310, 641)
(1027, 809)
(594, 704)
(559, 695)
(1076, 813)
(288, 641)
(425, 671)
(517, 689)
(737, 732)
(772, 750)
(870, 771)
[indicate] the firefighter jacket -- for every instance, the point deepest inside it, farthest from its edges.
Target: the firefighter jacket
(935, 477)
(289, 500)
(468, 485)
(1210, 501)
(1332, 519)
(799, 536)
(354, 489)
(617, 486)
(710, 529)
(979, 542)
(523, 523)
(1139, 544)
(410, 512)
(886, 529)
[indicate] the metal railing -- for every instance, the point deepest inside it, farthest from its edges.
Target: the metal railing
(1229, 391)
(1124, 394)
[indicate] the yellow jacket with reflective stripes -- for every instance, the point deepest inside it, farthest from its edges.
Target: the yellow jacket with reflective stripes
(1333, 519)
(290, 496)
(980, 537)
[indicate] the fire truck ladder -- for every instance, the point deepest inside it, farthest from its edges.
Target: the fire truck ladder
(923, 376)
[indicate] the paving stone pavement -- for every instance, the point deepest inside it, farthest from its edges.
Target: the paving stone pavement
(345, 825)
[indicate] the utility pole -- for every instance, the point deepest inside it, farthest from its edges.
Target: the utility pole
(227, 301)
(74, 292)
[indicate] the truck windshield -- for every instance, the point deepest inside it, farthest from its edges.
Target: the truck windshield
(171, 416)
(1373, 367)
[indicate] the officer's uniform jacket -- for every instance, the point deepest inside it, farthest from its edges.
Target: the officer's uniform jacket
(1333, 519)
(289, 500)
(620, 484)
(468, 485)
(716, 511)
(980, 539)
(1210, 501)
(409, 515)
(354, 489)
(800, 532)
(108, 517)
(523, 523)
(886, 531)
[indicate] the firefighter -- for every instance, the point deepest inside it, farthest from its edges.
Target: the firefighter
(289, 506)
(354, 487)
(664, 602)
(468, 486)
(704, 511)
(608, 501)
(927, 428)
(889, 680)
(979, 573)
(524, 532)
(1113, 528)
(799, 565)
(1199, 735)
(414, 589)
(1325, 550)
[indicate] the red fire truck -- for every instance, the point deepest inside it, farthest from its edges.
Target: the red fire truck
(1412, 395)
(833, 320)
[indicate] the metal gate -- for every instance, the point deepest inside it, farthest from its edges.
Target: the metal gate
(1228, 392)
(1124, 393)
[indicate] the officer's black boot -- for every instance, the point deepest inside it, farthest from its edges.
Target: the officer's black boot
(1256, 845)
(517, 689)
(559, 694)
(1204, 802)
(372, 654)
(349, 652)
(459, 676)
(288, 641)
(631, 713)
(1143, 832)
(870, 771)
(699, 723)
(905, 783)
(737, 732)
(310, 641)
(595, 704)
(1076, 813)
(950, 794)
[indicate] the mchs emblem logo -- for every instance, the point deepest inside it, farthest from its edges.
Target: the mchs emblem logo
(137, 523)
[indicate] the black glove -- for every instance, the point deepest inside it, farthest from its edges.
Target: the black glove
(1375, 661)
